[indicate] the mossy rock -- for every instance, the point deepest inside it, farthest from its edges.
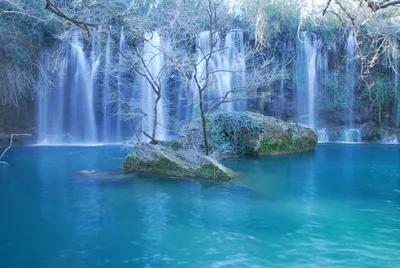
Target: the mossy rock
(249, 133)
(157, 159)
(212, 169)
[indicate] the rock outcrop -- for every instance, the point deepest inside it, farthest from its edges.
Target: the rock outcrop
(371, 132)
(256, 134)
(231, 134)
(247, 133)
(368, 132)
(157, 159)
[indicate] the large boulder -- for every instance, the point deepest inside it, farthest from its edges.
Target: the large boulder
(368, 132)
(371, 132)
(256, 134)
(247, 133)
(157, 159)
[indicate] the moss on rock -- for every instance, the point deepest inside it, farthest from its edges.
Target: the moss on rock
(247, 133)
(157, 159)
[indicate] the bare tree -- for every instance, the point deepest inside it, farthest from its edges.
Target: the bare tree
(199, 69)
(22, 23)
(183, 21)
(376, 35)
(138, 21)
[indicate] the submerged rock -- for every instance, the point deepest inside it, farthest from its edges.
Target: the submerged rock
(157, 159)
(88, 171)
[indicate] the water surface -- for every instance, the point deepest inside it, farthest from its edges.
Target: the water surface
(336, 207)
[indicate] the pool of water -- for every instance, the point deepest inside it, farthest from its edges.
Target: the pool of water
(336, 207)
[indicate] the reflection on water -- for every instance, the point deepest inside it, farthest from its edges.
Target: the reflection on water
(338, 206)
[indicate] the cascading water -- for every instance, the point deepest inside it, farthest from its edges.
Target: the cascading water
(111, 109)
(349, 133)
(77, 109)
(396, 106)
(351, 69)
(85, 76)
(227, 64)
(352, 135)
(281, 102)
(309, 54)
(323, 135)
(75, 123)
(234, 61)
(155, 66)
(106, 90)
(120, 88)
(46, 98)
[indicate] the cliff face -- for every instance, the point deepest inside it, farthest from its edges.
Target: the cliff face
(19, 119)
(327, 71)
(315, 66)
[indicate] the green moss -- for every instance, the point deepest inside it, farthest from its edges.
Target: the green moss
(268, 146)
(158, 166)
(373, 137)
(211, 171)
(166, 167)
(286, 146)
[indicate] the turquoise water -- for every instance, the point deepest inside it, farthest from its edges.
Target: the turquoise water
(336, 207)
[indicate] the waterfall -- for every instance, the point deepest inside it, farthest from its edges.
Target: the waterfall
(323, 135)
(307, 72)
(122, 46)
(227, 64)
(281, 107)
(396, 106)
(106, 90)
(76, 110)
(390, 139)
(351, 69)
(155, 66)
(234, 61)
(43, 97)
(77, 75)
(82, 102)
(352, 135)
(184, 107)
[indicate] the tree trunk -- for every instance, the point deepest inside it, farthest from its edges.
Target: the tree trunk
(204, 123)
(155, 119)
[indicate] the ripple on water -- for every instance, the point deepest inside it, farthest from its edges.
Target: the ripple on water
(325, 209)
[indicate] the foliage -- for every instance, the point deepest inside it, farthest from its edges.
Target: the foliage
(24, 26)
(381, 92)
(338, 96)
(230, 131)
(273, 25)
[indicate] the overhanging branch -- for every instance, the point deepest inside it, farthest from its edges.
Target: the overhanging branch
(81, 24)
(9, 146)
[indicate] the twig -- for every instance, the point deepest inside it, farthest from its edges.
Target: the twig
(9, 146)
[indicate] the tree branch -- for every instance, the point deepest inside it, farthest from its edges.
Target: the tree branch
(326, 8)
(81, 24)
(9, 146)
(377, 6)
(13, 12)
